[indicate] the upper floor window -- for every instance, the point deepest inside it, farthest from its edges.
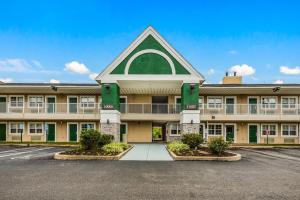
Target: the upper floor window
(215, 129)
(16, 101)
(269, 129)
(288, 102)
(175, 129)
(87, 102)
(16, 128)
(268, 102)
(201, 102)
(289, 130)
(35, 128)
(214, 102)
(35, 101)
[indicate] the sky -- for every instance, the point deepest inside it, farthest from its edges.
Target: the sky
(72, 41)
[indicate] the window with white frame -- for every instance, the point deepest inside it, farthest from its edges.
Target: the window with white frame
(289, 130)
(35, 128)
(288, 102)
(215, 129)
(201, 102)
(16, 101)
(87, 126)
(35, 101)
(214, 102)
(16, 128)
(175, 129)
(268, 129)
(268, 102)
(87, 102)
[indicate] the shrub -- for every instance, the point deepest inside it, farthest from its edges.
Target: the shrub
(114, 148)
(178, 147)
(105, 139)
(193, 140)
(89, 139)
(218, 145)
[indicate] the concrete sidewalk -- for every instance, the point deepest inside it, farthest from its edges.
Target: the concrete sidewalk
(148, 152)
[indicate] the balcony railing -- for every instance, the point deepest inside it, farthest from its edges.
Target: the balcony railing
(136, 108)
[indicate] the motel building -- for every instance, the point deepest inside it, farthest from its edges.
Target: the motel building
(151, 93)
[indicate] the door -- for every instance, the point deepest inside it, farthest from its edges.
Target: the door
(2, 104)
(229, 105)
(123, 104)
(73, 104)
(73, 132)
(252, 105)
(253, 134)
(50, 104)
(229, 131)
(123, 131)
(50, 131)
(2, 132)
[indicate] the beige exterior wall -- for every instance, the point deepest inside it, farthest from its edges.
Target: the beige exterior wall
(139, 132)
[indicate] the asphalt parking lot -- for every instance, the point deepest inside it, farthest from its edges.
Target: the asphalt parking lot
(30, 173)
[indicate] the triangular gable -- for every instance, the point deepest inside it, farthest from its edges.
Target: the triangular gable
(150, 43)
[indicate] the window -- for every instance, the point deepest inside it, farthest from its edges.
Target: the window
(289, 130)
(87, 126)
(215, 129)
(288, 102)
(269, 129)
(87, 102)
(16, 128)
(268, 102)
(175, 129)
(35, 128)
(16, 102)
(35, 102)
(214, 102)
(201, 102)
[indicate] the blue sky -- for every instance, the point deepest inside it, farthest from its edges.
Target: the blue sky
(71, 41)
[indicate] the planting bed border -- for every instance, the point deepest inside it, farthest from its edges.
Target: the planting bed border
(59, 156)
(235, 157)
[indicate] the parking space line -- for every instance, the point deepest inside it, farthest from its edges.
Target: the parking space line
(23, 152)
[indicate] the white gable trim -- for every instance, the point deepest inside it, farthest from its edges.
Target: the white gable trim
(150, 51)
(149, 31)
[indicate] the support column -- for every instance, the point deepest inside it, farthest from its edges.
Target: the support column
(110, 116)
(190, 114)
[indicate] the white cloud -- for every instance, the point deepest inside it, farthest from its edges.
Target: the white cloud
(290, 70)
(210, 72)
(243, 70)
(77, 67)
(93, 76)
(14, 65)
(6, 80)
(278, 82)
(54, 81)
(232, 52)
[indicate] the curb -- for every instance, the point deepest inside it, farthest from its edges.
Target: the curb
(59, 156)
(236, 157)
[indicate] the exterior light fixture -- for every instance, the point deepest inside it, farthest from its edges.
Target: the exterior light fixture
(192, 87)
(107, 88)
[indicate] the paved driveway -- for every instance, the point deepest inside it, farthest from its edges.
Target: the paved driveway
(148, 152)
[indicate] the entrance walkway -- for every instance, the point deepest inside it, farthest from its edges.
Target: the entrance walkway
(148, 152)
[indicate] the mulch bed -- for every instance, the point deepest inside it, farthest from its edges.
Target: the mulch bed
(97, 152)
(203, 152)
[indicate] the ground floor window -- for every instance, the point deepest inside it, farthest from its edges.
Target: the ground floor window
(16, 128)
(269, 129)
(87, 126)
(175, 129)
(215, 129)
(35, 128)
(289, 130)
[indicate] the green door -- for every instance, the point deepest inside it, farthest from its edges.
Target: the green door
(50, 128)
(73, 132)
(229, 130)
(51, 105)
(252, 105)
(73, 105)
(123, 130)
(229, 105)
(253, 134)
(2, 132)
(2, 104)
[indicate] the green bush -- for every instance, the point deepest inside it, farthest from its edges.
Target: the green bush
(89, 139)
(178, 147)
(192, 139)
(218, 145)
(105, 139)
(114, 148)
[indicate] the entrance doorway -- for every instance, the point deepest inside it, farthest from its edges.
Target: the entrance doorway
(229, 132)
(73, 131)
(230, 104)
(2, 132)
(158, 132)
(50, 131)
(160, 104)
(3, 106)
(253, 134)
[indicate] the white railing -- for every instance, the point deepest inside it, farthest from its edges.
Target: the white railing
(141, 108)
